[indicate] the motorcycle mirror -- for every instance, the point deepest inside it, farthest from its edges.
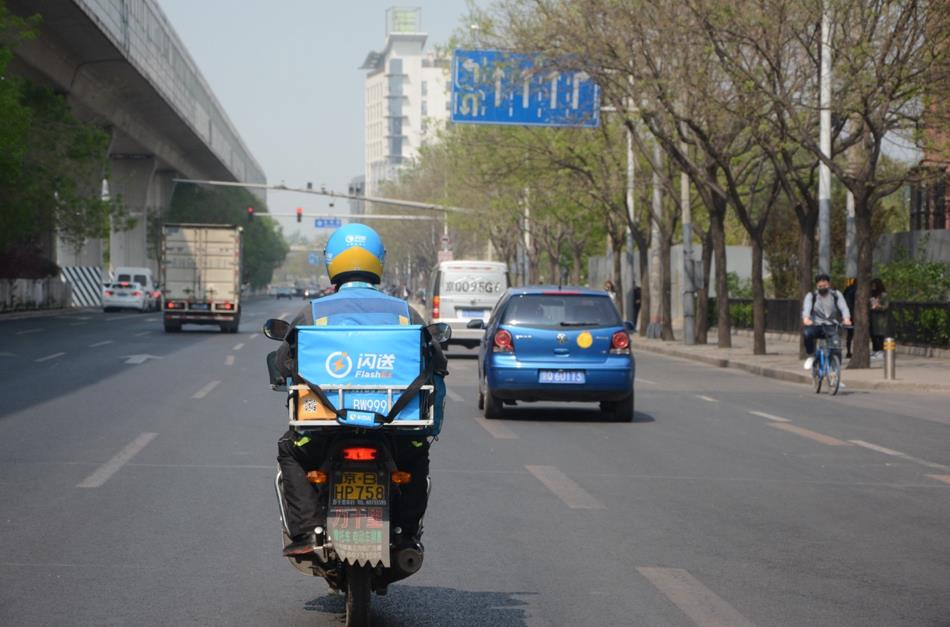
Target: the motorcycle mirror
(440, 332)
(276, 329)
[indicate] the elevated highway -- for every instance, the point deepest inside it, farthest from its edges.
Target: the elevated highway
(121, 65)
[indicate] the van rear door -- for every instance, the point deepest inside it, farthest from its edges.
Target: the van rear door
(471, 291)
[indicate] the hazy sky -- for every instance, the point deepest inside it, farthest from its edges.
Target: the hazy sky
(286, 72)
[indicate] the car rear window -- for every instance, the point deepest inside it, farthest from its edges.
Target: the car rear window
(140, 279)
(472, 282)
(124, 278)
(561, 311)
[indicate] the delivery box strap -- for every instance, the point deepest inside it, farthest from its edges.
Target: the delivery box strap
(404, 399)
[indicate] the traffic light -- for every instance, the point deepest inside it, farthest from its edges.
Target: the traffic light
(299, 215)
(250, 214)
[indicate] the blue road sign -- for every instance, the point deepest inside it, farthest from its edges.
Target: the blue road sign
(313, 259)
(328, 223)
(494, 87)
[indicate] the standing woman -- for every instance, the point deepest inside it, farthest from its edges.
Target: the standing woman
(880, 302)
(611, 290)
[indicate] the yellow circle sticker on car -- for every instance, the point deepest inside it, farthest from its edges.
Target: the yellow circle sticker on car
(585, 339)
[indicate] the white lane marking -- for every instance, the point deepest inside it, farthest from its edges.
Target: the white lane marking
(284, 315)
(455, 396)
(707, 398)
(102, 474)
(647, 381)
(28, 331)
(808, 433)
(252, 336)
(142, 333)
(769, 416)
(102, 343)
(496, 429)
(77, 324)
(238, 347)
(48, 357)
(138, 359)
(229, 360)
(203, 392)
(564, 487)
(893, 453)
(7, 354)
(123, 317)
(943, 478)
(152, 320)
(703, 606)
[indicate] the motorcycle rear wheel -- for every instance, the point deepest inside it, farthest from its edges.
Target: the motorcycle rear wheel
(358, 588)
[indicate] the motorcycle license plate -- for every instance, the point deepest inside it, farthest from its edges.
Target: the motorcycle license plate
(356, 488)
(576, 377)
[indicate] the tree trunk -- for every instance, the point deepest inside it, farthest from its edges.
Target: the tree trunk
(666, 289)
(717, 226)
(576, 265)
(861, 356)
(758, 297)
(617, 245)
(806, 252)
(702, 299)
(643, 254)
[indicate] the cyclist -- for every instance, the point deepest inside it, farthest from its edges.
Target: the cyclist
(821, 310)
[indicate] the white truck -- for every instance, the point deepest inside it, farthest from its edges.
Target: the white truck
(201, 275)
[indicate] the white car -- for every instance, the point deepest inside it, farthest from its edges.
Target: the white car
(124, 295)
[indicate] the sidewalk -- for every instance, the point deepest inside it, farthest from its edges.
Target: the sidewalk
(914, 373)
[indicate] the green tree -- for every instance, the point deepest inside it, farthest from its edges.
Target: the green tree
(264, 248)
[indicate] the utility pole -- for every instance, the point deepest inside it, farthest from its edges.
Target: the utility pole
(628, 299)
(527, 235)
(689, 288)
(850, 249)
(655, 328)
(824, 172)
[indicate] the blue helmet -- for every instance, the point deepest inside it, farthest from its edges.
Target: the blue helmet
(354, 252)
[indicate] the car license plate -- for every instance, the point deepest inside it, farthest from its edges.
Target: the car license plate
(200, 306)
(562, 376)
(358, 488)
(472, 313)
(121, 293)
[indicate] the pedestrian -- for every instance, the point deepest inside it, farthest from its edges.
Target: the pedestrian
(611, 291)
(880, 303)
(849, 293)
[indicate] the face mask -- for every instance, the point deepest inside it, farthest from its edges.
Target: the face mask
(823, 291)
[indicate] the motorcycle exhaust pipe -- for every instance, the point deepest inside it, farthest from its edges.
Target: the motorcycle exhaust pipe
(409, 560)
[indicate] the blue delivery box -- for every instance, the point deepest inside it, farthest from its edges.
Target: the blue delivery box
(363, 368)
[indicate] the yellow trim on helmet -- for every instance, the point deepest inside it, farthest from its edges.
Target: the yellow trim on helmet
(355, 259)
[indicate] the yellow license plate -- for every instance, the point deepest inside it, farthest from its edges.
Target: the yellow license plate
(352, 488)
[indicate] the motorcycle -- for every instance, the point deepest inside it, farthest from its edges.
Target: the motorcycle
(359, 484)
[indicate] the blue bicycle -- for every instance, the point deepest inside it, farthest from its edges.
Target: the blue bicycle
(827, 364)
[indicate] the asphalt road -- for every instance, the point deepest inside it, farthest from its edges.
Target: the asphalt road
(136, 474)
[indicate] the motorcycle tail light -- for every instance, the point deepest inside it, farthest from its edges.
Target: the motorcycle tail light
(360, 454)
(401, 477)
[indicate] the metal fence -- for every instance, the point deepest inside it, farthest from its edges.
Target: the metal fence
(922, 324)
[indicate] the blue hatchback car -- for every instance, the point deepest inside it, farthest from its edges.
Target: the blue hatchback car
(556, 344)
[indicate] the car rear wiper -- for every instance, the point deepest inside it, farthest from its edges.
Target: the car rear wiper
(580, 324)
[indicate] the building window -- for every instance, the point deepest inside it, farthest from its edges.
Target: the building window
(425, 108)
(928, 204)
(425, 88)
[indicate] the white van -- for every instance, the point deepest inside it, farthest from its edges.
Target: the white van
(463, 291)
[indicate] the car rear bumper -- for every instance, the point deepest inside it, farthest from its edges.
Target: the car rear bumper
(509, 379)
(123, 302)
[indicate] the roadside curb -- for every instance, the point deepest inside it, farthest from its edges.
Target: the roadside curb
(785, 375)
(45, 313)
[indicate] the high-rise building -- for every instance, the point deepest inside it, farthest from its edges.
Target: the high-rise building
(406, 97)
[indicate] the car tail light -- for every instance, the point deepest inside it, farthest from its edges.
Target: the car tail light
(620, 343)
(170, 305)
(435, 307)
(156, 294)
(227, 306)
(109, 292)
(136, 293)
(502, 342)
(360, 454)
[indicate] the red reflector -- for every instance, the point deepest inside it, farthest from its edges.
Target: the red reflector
(108, 292)
(503, 341)
(360, 454)
(620, 340)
